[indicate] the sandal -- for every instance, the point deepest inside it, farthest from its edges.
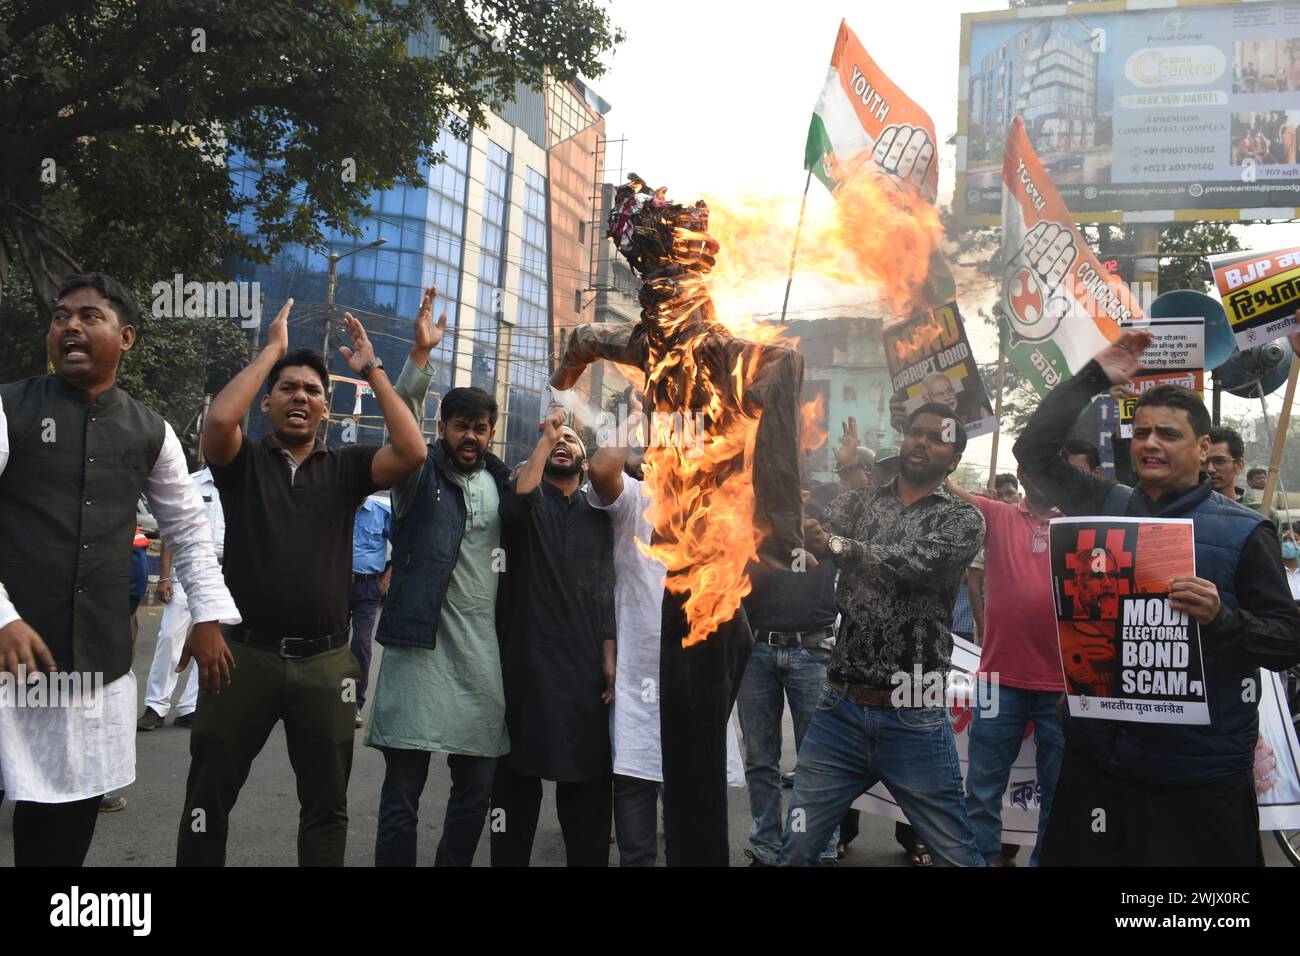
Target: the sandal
(919, 855)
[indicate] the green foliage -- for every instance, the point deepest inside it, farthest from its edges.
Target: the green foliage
(120, 119)
(134, 110)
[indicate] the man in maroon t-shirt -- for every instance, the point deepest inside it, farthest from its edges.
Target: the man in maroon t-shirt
(1020, 666)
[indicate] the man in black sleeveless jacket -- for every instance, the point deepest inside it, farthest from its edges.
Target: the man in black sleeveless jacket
(76, 452)
(1169, 794)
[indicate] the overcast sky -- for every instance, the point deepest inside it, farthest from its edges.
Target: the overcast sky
(713, 98)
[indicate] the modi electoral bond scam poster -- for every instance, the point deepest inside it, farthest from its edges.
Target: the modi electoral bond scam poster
(930, 359)
(1126, 654)
(1260, 292)
(1176, 356)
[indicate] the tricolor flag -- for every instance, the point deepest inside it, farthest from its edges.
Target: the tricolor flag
(1060, 306)
(861, 115)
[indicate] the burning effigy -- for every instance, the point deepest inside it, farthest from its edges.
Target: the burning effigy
(723, 459)
(722, 466)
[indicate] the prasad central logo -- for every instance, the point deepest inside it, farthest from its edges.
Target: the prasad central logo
(1175, 65)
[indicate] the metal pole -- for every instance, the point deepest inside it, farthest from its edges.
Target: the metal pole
(1279, 438)
(203, 420)
(325, 345)
(997, 405)
(795, 251)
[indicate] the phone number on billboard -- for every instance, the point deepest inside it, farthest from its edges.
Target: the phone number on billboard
(1177, 167)
(1177, 150)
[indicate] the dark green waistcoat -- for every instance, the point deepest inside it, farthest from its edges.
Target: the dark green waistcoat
(67, 516)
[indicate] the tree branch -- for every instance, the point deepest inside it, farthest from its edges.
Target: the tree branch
(41, 14)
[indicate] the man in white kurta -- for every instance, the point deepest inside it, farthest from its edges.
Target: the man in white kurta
(634, 716)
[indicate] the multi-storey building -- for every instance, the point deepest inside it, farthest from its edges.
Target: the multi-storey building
(502, 227)
(1047, 73)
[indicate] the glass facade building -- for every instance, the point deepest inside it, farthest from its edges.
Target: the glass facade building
(481, 227)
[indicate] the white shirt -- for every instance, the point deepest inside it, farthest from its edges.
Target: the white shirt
(638, 600)
(212, 506)
(1293, 579)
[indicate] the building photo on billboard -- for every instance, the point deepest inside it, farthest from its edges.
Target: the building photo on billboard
(1135, 109)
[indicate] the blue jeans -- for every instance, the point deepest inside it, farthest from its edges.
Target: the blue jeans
(849, 748)
(994, 743)
(772, 671)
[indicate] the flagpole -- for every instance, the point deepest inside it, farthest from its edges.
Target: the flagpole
(997, 406)
(1279, 438)
(795, 251)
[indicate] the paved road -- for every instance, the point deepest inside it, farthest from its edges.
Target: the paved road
(264, 823)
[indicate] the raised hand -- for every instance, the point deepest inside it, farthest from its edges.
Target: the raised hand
(551, 425)
(428, 335)
(846, 452)
(362, 352)
(898, 411)
(277, 333)
(1122, 359)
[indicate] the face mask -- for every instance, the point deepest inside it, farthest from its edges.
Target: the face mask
(1290, 550)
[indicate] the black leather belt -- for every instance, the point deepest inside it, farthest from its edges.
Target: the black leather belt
(289, 647)
(861, 694)
(823, 638)
(373, 576)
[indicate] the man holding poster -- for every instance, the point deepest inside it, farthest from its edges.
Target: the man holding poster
(1138, 793)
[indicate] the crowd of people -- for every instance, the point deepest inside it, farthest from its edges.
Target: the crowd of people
(521, 617)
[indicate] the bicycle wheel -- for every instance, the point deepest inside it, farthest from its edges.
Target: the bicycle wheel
(1289, 841)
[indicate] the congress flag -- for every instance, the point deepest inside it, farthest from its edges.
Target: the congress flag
(860, 116)
(1059, 305)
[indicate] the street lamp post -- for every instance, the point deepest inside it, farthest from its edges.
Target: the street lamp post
(334, 259)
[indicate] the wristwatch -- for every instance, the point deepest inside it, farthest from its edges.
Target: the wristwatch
(837, 544)
(371, 366)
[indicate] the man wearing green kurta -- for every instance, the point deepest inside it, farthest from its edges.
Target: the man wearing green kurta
(440, 686)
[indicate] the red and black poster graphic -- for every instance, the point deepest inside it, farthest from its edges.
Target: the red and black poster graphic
(1126, 654)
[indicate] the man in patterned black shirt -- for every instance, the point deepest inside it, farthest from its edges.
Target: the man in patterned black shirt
(901, 550)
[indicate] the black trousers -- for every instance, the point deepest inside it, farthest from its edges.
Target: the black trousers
(405, 774)
(1099, 819)
(584, 810)
(698, 687)
(54, 834)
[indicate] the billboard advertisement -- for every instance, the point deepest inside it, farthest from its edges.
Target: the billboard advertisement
(1179, 112)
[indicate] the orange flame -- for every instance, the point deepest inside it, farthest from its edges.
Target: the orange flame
(874, 239)
(812, 435)
(877, 234)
